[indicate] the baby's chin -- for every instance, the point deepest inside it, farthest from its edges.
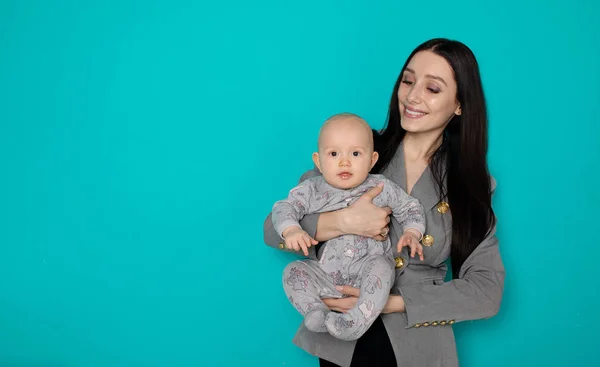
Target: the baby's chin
(344, 184)
(342, 187)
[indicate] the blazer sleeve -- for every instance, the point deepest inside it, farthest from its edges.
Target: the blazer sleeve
(308, 223)
(475, 294)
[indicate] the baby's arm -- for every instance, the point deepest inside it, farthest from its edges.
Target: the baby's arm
(287, 214)
(411, 216)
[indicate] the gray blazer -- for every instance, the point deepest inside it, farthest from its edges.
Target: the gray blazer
(423, 335)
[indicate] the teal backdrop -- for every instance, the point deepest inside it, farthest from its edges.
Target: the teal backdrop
(142, 144)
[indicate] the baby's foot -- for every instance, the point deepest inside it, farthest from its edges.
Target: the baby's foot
(344, 326)
(315, 320)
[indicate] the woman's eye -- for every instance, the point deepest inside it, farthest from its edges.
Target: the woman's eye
(407, 82)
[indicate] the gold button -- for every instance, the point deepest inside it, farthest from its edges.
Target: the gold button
(427, 240)
(281, 246)
(450, 322)
(399, 263)
(425, 324)
(435, 323)
(417, 325)
(442, 323)
(443, 207)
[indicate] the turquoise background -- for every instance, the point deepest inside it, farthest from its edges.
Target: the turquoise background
(142, 143)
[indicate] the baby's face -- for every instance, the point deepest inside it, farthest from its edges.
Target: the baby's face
(345, 153)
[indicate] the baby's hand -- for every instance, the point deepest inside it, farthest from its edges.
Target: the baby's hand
(410, 239)
(296, 238)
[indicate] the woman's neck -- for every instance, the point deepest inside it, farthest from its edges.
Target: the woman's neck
(421, 146)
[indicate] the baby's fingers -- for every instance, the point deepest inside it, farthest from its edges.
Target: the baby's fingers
(307, 240)
(304, 247)
(289, 244)
(295, 245)
(400, 244)
(413, 248)
(305, 250)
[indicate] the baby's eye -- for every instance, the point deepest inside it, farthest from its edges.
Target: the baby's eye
(356, 154)
(333, 154)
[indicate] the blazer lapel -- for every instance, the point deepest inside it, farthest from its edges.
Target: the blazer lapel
(425, 190)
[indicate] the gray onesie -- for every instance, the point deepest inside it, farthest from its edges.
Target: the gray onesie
(360, 262)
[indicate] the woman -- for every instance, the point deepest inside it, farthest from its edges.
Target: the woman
(434, 146)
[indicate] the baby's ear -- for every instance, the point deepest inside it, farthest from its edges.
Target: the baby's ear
(315, 158)
(374, 159)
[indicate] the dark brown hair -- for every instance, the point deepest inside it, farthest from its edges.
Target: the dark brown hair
(459, 165)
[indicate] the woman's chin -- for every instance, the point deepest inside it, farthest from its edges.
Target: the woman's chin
(410, 126)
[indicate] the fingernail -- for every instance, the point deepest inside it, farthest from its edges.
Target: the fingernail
(380, 184)
(339, 288)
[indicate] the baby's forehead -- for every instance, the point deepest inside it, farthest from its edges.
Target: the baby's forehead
(346, 123)
(335, 128)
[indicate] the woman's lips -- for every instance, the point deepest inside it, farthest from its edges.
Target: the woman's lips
(412, 113)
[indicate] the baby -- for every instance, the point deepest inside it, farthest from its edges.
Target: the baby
(345, 156)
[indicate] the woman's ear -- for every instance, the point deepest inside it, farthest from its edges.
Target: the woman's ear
(458, 110)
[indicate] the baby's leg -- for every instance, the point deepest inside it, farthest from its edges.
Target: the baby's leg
(377, 277)
(304, 282)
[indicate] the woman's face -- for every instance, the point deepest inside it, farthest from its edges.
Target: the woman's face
(427, 94)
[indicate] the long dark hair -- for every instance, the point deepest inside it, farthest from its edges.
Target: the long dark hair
(459, 165)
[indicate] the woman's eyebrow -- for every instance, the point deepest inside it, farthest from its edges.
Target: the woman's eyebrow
(429, 76)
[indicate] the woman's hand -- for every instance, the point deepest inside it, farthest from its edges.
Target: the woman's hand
(363, 218)
(343, 304)
(395, 303)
